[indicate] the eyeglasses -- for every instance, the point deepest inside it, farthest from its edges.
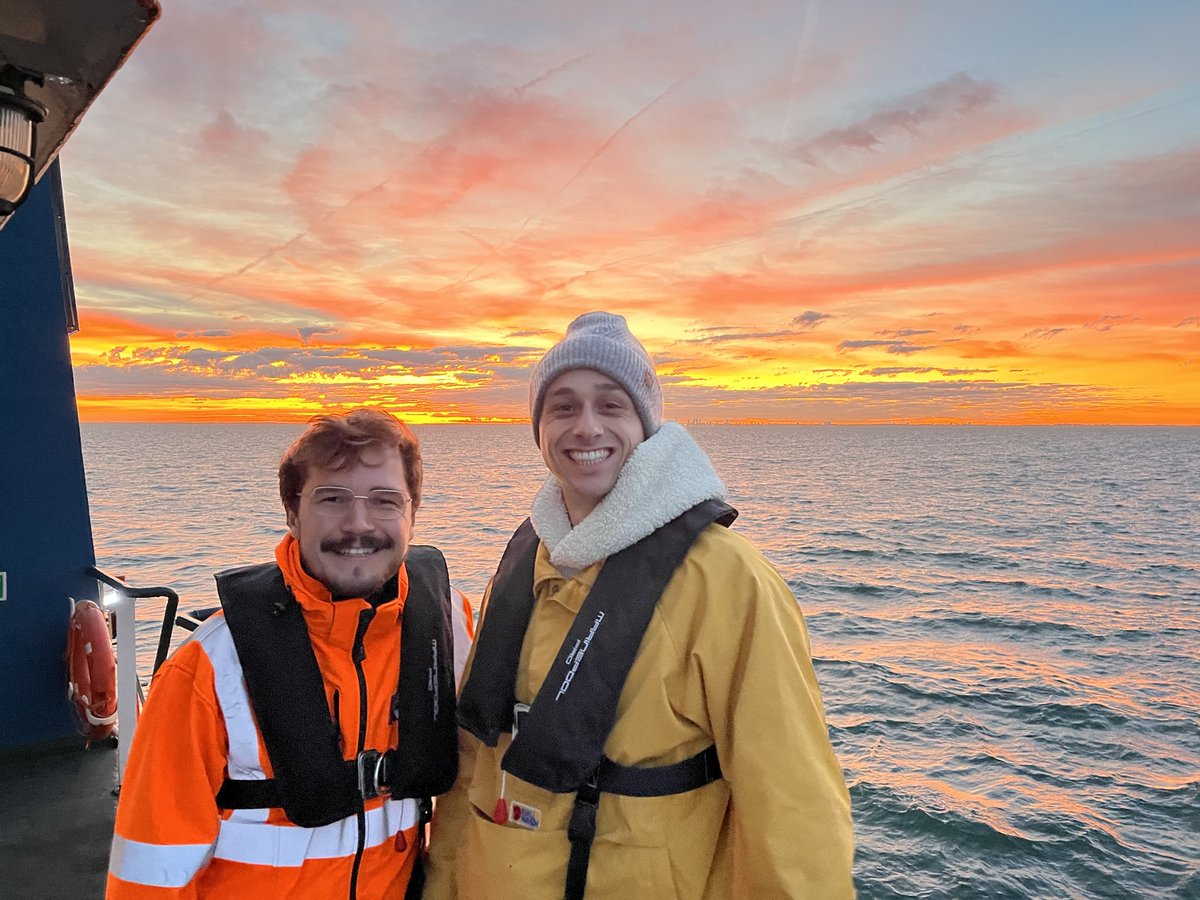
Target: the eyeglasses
(335, 502)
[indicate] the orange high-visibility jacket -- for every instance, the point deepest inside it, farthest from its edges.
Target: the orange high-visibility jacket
(197, 728)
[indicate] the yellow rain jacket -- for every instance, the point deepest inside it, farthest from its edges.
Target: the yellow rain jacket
(725, 660)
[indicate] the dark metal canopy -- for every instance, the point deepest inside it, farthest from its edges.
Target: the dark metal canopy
(76, 46)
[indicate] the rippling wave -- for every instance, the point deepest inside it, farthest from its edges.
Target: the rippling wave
(1005, 621)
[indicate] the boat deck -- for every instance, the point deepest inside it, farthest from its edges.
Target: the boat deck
(59, 808)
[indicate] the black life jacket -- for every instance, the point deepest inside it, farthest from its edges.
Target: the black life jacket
(559, 745)
(560, 742)
(313, 784)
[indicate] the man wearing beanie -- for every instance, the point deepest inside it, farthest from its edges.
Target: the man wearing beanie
(640, 717)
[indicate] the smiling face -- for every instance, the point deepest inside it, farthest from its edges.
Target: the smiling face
(587, 430)
(353, 555)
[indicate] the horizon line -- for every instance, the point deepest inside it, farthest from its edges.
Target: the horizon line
(735, 423)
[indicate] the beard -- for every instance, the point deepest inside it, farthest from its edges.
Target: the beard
(347, 576)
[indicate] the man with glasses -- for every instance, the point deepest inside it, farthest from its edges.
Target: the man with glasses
(291, 747)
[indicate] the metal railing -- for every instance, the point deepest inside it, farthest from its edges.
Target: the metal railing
(121, 604)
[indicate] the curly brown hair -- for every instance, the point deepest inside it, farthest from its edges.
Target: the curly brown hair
(337, 441)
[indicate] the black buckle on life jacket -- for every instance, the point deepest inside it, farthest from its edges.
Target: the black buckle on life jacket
(374, 773)
(581, 831)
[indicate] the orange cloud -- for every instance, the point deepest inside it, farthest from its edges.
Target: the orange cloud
(806, 218)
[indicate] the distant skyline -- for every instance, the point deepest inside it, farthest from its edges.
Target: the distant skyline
(849, 212)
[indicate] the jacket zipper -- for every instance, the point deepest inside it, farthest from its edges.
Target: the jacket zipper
(337, 720)
(358, 654)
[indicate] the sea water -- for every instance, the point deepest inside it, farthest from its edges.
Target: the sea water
(1005, 621)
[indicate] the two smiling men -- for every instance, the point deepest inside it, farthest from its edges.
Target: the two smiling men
(640, 719)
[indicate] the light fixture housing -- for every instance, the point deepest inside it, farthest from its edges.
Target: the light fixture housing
(55, 58)
(19, 114)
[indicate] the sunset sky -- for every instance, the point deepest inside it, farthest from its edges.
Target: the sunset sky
(809, 212)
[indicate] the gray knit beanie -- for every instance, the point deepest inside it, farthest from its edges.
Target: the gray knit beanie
(601, 341)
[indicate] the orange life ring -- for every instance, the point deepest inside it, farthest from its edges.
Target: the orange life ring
(91, 672)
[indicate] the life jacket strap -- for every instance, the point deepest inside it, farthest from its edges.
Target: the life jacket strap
(369, 774)
(659, 781)
(581, 831)
(628, 781)
(416, 880)
(239, 793)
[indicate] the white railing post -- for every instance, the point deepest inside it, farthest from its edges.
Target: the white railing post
(121, 605)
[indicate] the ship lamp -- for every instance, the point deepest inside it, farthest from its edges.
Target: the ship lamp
(19, 117)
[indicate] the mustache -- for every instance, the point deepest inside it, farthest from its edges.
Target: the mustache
(366, 542)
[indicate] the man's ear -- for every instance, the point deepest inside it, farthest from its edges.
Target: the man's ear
(293, 525)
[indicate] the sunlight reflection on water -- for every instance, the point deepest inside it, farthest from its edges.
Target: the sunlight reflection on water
(1004, 619)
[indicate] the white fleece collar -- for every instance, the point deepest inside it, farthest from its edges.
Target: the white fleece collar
(665, 476)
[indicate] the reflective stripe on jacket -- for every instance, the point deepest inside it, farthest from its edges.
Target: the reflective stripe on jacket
(172, 840)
